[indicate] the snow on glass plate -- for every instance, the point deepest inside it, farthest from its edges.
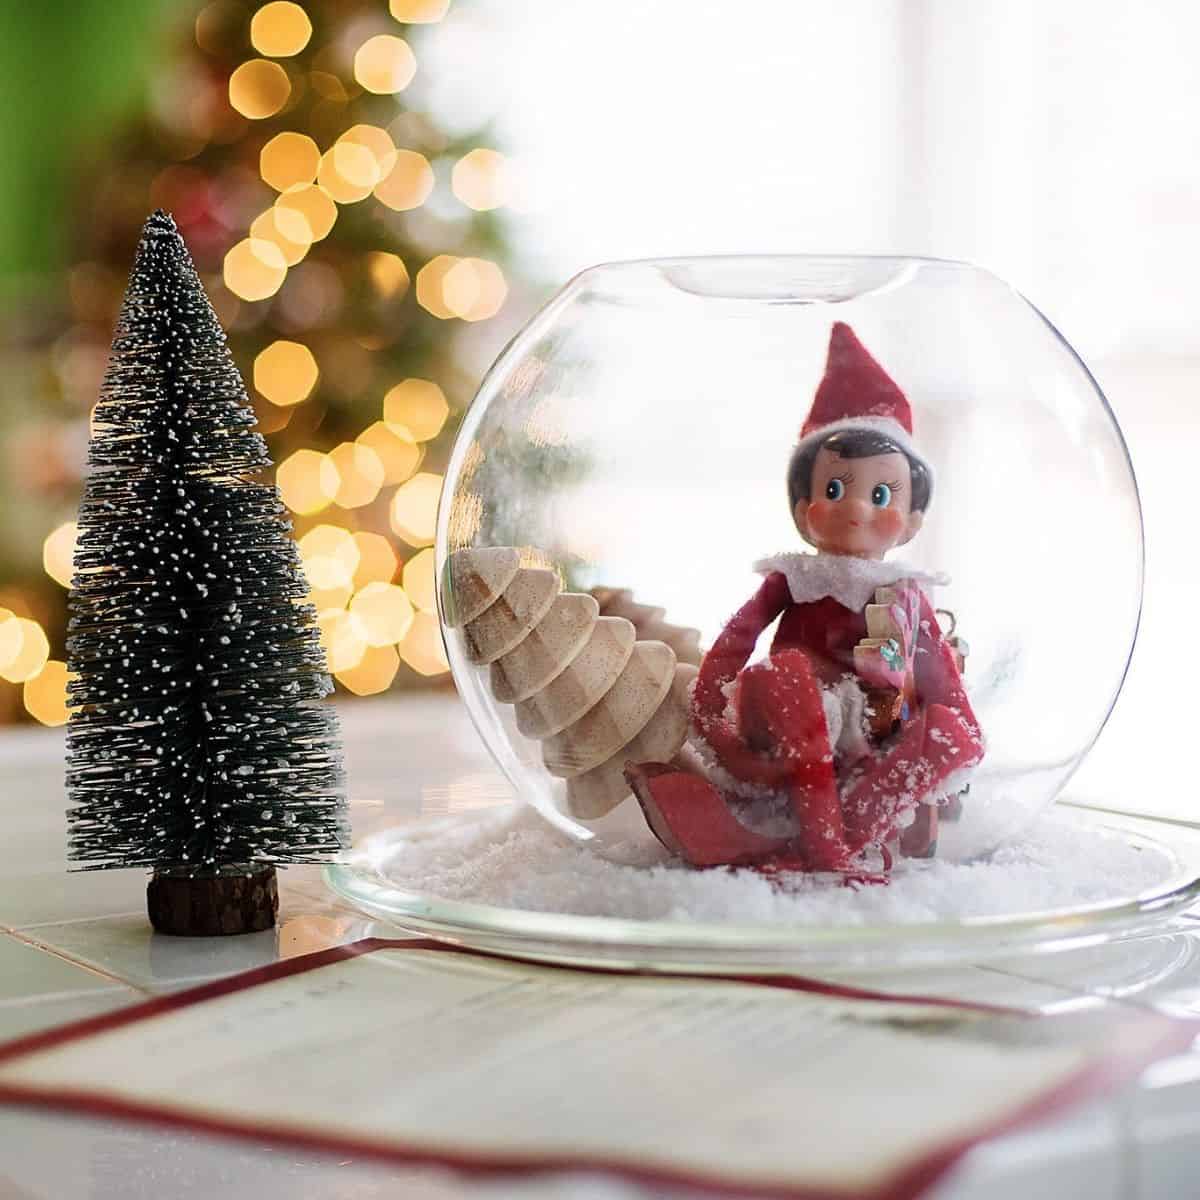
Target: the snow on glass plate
(512, 884)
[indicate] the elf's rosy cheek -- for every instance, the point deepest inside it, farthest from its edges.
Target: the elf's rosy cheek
(820, 512)
(888, 522)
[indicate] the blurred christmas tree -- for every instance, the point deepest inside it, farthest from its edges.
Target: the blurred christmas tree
(350, 244)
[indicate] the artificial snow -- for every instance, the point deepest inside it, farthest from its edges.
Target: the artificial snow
(516, 859)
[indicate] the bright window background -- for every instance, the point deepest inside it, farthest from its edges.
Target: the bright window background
(1054, 144)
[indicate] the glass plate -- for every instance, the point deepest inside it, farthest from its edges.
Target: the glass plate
(762, 948)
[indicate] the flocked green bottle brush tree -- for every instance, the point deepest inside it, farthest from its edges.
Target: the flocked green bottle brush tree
(198, 743)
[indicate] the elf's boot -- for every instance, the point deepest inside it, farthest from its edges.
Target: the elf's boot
(692, 817)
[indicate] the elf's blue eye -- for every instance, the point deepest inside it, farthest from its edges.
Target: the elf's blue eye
(881, 495)
(835, 489)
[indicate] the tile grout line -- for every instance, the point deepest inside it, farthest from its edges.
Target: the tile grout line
(1069, 991)
(104, 916)
(53, 997)
(57, 952)
(1055, 984)
(1087, 992)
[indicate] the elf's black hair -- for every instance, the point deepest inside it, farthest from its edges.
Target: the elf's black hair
(854, 443)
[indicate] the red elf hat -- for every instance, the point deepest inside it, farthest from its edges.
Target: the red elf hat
(857, 393)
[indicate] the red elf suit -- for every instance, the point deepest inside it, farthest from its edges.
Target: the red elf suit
(780, 767)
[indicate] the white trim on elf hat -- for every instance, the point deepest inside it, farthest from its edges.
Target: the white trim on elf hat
(856, 393)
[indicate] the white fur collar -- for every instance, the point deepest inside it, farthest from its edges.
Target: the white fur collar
(850, 581)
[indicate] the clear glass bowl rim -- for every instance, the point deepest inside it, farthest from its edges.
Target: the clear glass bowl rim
(708, 946)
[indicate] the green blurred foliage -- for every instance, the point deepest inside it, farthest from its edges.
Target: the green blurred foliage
(68, 70)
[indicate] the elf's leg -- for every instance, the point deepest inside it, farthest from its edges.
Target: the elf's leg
(780, 713)
(691, 817)
(931, 746)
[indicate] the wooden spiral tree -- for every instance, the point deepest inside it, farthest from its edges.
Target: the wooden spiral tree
(593, 691)
(650, 623)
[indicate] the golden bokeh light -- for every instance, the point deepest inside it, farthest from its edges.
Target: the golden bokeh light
(408, 183)
(418, 12)
(58, 553)
(423, 648)
(293, 224)
(493, 290)
(480, 179)
(430, 280)
(254, 269)
(24, 649)
(45, 694)
(413, 511)
(266, 228)
(307, 481)
(323, 599)
(285, 373)
(280, 29)
(289, 160)
(384, 64)
(360, 474)
(385, 612)
(387, 272)
(375, 140)
(418, 407)
(342, 638)
(347, 172)
(305, 212)
(418, 581)
(474, 289)
(377, 560)
(373, 673)
(259, 89)
(356, 166)
(330, 556)
(470, 288)
(398, 453)
(461, 286)
(11, 637)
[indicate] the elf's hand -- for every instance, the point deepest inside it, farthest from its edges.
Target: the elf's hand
(879, 663)
(884, 658)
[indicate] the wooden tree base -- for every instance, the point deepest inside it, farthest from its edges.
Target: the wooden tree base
(213, 905)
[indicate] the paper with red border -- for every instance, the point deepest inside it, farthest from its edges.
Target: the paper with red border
(413, 1052)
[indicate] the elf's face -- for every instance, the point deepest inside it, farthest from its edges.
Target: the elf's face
(858, 506)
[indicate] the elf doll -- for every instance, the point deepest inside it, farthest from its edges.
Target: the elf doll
(856, 724)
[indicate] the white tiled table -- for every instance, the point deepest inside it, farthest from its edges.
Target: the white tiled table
(74, 945)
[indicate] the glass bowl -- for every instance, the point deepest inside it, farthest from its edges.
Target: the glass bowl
(626, 463)
(637, 436)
